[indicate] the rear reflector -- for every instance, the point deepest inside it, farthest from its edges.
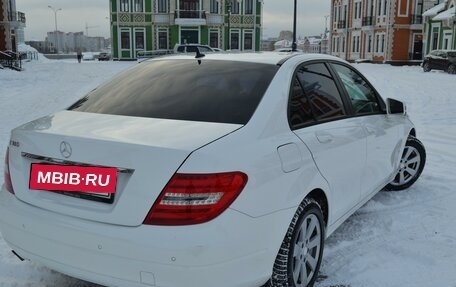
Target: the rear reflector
(6, 170)
(195, 198)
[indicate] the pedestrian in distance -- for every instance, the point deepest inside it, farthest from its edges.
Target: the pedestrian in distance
(79, 53)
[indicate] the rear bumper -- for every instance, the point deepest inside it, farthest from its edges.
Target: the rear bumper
(232, 250)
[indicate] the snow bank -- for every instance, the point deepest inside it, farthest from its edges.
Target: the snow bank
(29, 49)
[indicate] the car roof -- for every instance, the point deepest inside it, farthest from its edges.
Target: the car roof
(273, 58)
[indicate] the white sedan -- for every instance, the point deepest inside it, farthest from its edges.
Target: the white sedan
(226, 170)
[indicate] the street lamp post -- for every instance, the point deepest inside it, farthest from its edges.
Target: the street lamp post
(55, 10)
(294, 46)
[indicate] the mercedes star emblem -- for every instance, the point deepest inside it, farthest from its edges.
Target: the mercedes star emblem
(65, 149)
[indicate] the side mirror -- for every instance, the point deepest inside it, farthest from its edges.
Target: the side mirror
(395, 107)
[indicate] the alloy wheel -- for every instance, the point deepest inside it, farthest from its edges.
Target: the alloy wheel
(306, 250)
(409, 166)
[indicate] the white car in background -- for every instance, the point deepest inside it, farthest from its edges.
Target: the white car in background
(88, 56)
(227, 170)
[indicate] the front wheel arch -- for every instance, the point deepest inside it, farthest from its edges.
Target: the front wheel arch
(412, 163)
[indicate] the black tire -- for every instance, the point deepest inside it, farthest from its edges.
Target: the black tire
(452, 69)
(412, 164)
(426, 67)
(309, 212)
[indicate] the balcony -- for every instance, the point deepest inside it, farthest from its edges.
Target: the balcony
(368, 21)
(416, 19)
(17, 19)
(190, 17)
(342, 24)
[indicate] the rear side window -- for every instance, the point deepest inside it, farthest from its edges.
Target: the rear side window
(314, 96)
(213, 91)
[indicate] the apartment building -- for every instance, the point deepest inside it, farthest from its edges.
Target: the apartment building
(148, 25)
(378, 30)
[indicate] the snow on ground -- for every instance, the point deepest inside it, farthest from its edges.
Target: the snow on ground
(405, 238)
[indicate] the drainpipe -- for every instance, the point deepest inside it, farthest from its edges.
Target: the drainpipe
(388, 28)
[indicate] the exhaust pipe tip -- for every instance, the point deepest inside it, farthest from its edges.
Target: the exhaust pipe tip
(17, 255)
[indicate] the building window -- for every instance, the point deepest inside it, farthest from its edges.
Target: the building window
(338, 13)
(248, 7)
(138, 5)
(139, 40)
(162, 6)
(369, 44)
(384, 7)
(214, 6)
(248, 40)
(124, 5)
(435, 38)
(125, 39)
(357, 11)
(343, 44)
(377, 46)
(234, 40)
(163, 39)
(379, 7)
(214, 38)
(383, 43)
(419, 7)
(355, 44)
(235, 6)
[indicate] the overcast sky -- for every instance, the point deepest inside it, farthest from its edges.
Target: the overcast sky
(75, 15)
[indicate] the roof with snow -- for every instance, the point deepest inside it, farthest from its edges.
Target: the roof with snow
(448, 14)
(435, 10)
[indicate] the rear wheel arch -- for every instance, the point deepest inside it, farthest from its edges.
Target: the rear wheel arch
(315, 202)
(412, 133)
(320, 197)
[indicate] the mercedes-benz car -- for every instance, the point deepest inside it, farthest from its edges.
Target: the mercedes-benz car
(223, 170)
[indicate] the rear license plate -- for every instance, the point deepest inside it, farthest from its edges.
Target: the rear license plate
(96, 181)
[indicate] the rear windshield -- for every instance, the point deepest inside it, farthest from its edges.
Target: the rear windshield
(213, 91)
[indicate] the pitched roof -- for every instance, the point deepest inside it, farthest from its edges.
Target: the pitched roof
(448, 14)
(435, 10)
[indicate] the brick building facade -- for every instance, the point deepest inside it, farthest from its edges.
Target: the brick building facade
(377, 30)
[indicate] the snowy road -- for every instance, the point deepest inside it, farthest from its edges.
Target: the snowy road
(397, 239)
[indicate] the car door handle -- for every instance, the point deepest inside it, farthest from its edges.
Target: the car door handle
(324, 137)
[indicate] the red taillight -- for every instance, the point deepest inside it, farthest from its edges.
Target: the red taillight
(195, 198)
(8, 184)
